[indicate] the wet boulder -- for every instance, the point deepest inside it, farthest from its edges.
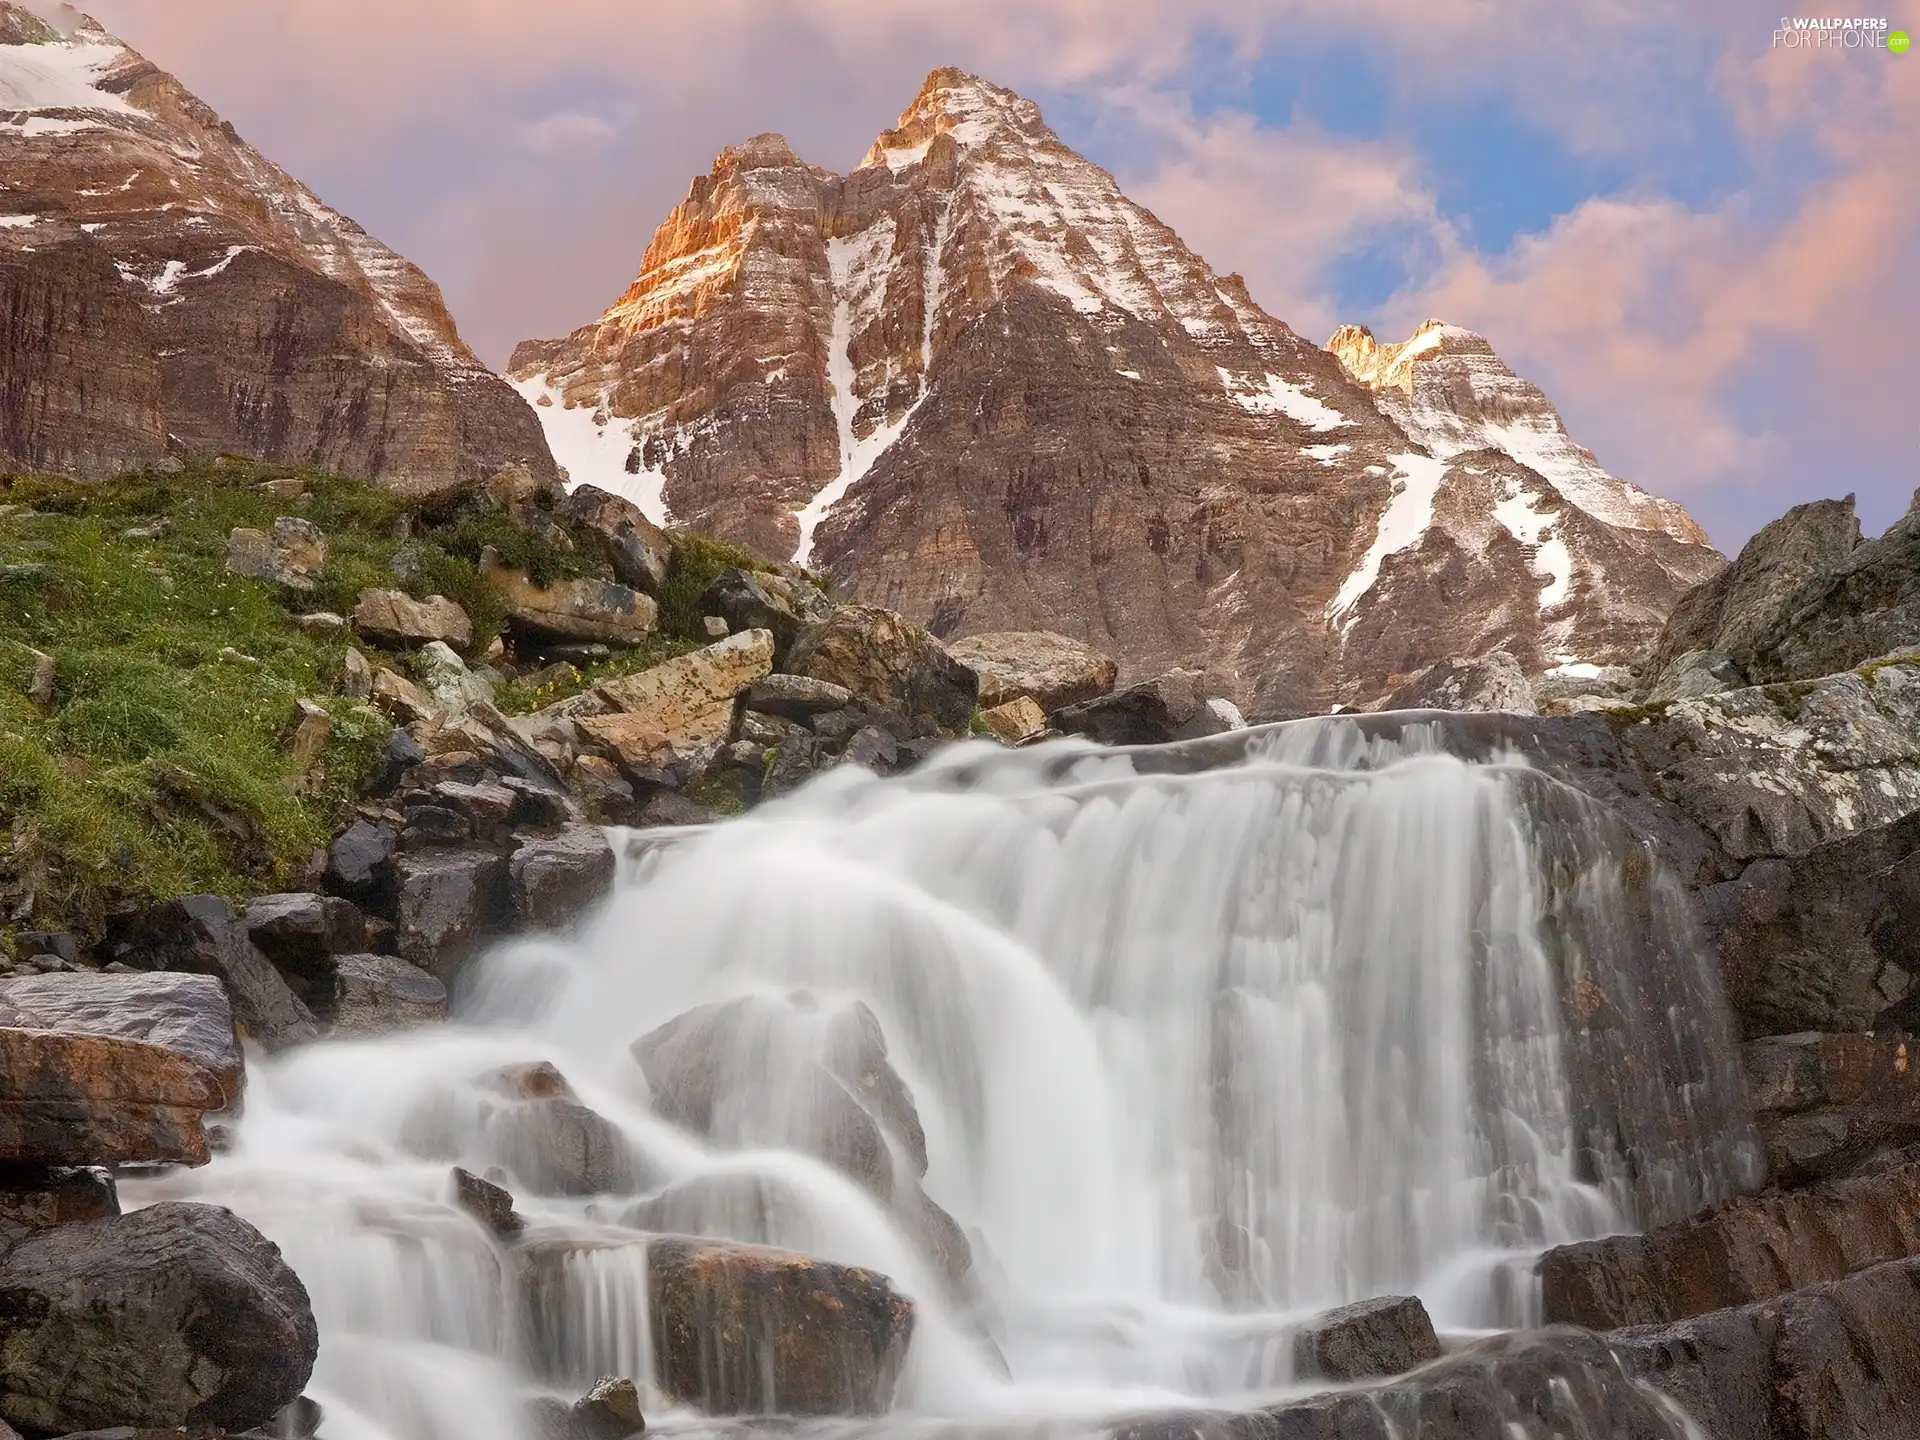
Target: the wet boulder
(382, 994)
(302, 934)
(1385, 1336)
(1829, 1105)
(447, 903)
(487, 1202)
(1173, 706)
(39, 1197)
(552, 1143)
(187, 1014)
(75, 1099)
(173, 1315)
(555, 879)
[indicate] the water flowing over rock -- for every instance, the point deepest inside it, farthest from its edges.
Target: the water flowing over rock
(1179, 1047)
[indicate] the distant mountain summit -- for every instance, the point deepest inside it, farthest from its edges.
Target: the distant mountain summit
(983, 387)
(163, 287)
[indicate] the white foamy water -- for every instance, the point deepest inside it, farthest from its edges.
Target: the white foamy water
(1202, 1041)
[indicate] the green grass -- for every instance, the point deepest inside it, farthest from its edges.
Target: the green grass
(160, 767)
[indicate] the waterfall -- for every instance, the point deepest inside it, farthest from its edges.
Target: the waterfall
(1200, 1041)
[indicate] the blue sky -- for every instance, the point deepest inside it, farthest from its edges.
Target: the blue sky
(1700, 245)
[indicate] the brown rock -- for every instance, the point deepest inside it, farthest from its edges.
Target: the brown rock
(572, 609)
(1374, 1337)
(1154, 712)
(486, 1202)
(187, 1014)
(74, 1099)
(392, 617)
(556, 879)
(33, 1197)
(1829, 1105)
(1051, 670)
(742, 1329)
(446, 904)
(307, 735)
(405, 701)
(293, 555)
(638, 550)
(884, 661)
(678, 712)
(1743, 1251)
(1015, 721)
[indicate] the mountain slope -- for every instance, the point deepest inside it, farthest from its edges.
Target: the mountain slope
(983, 387)
(163, 286)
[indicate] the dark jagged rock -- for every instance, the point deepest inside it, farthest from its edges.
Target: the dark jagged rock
(199, 934)
(1830, 1105)
(188, 1014)
(637, 549)
(1387, 1336)
(1825, 940)
(488, 1203)
(302, 934)
(1154, 712)
(446, 904)
(1746, 1250)
(183, 1315)
(39, 1197)
(877, 656)
(1832, 1362)
(1868, 605)
(555, 879)
(762, 600)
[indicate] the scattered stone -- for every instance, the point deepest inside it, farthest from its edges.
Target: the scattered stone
(1052, 670)
(75, 1099)
(400, 698)
(321, 624)
(293, 555)
(598, 610)
(307, 735)
(284, 487)
(356, 676)
(795, 697)
(714, 626)
(488, 1203)
(879, 657)
(41, 685)
(187, 1014)
(611, 1410)
(394, 618)
(445, 676)
(637, 549)
(358, 861)
(446, 903)
(381, 994)
(173, 1315)
(62, 943)
(1015, 721)
(1387, 1336)
(556, 879)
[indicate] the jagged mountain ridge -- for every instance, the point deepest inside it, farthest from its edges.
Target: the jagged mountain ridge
(165, 287)
(982, 386)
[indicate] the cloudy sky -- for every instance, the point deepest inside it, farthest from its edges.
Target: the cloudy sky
(1705, 248)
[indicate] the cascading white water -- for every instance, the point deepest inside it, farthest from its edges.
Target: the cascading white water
(1200, 1045)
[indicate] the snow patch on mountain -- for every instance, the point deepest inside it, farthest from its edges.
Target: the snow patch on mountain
(1416, 480)
(61, 75)
(1276, 395)
(1531, 528)
(595, 449)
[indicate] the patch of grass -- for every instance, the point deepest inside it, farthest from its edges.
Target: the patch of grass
(697, 562)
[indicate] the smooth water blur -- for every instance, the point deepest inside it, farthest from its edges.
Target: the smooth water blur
(1198, 1048)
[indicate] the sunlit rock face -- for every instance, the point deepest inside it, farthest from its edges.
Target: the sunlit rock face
(986, 389)
(165, 288)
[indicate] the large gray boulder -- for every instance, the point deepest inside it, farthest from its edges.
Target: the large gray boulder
(1493, 681)
(174, 1315)
(1051, 670)
(557, 878)
(1384, 1336)
(639, 551)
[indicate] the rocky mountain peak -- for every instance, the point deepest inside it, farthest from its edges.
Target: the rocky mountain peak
(987, 389)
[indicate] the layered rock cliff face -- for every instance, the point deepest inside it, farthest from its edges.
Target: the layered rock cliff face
(163, 287)
(981, 386)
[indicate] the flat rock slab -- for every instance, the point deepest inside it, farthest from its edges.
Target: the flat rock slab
(1051, 670)
(71, 1099)
(188, 1014)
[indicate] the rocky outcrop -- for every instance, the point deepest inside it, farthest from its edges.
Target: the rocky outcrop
(1747, 1250)
(1868, 605)
(1832, 1105)
(570, 609)
(986, 390)
(1386, 1336)
(876, 655)
(173, 1315)
(166, 287)
(676, 714)
(1491, 682)
(1051, 670)
(1826, 939)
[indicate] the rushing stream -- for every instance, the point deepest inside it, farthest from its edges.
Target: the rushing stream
(1201, 1042)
